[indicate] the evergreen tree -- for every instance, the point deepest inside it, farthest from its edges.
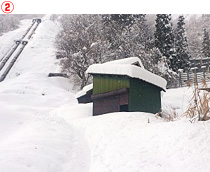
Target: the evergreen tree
(125, 32)
(206, 44)
(122, 20)
(195, 33)
(128, 35)
(181, 45)
(164, 39)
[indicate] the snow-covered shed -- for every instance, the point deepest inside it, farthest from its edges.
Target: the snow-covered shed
(124, 85)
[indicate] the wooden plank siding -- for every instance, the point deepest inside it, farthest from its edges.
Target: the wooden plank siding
(110, 101)
(144, 97)
(110, 93)
(106, 83)
(106, 105)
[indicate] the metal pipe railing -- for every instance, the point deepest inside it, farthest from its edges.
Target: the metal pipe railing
(9, 67)
(24, 43)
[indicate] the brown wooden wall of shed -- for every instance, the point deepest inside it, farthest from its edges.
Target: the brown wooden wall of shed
(109, 104)
(106, 105)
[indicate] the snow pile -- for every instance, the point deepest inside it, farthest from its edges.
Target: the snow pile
(71, 112)
(31, 139)
(150, 147)
(177, 100)
(35, 143)
(141, 142)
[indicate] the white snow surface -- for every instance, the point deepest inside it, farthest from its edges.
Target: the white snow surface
(84, 90)
(130, 60)
(39, 51)
(128, 70)
(31, 140)
(44, 129)
(8, 39)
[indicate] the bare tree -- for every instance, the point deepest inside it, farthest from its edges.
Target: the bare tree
(82, 43)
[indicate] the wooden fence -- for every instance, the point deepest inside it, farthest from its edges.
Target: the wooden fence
(192, 76)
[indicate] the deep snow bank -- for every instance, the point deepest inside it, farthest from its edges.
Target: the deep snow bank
(122, 142)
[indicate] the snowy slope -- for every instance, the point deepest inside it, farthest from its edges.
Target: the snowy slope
(177, 100)
(43, 129)
(7, 39)
(31, 140)
(122, 142)
(39, 54)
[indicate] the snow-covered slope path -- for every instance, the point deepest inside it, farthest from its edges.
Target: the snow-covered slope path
(31, 139)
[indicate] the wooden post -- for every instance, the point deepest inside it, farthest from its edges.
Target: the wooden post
(180, 77)
(207, 70)
(188, 76)
(195, 79)
(203, 70)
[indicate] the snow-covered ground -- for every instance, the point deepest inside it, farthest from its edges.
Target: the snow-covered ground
(30, 139)
(43, 129)
(7, 39)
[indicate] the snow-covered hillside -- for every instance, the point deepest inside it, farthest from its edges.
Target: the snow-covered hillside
(7, 39)
(30, 139)
(43, 129)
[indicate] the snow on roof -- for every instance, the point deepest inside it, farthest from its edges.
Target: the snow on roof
(130, 60)
(128, 70)
(84, 90)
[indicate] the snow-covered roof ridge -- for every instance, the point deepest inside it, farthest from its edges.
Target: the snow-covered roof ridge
(130, 60)
(84, 90)
(132, 71)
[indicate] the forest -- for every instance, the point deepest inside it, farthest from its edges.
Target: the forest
(163, 44)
